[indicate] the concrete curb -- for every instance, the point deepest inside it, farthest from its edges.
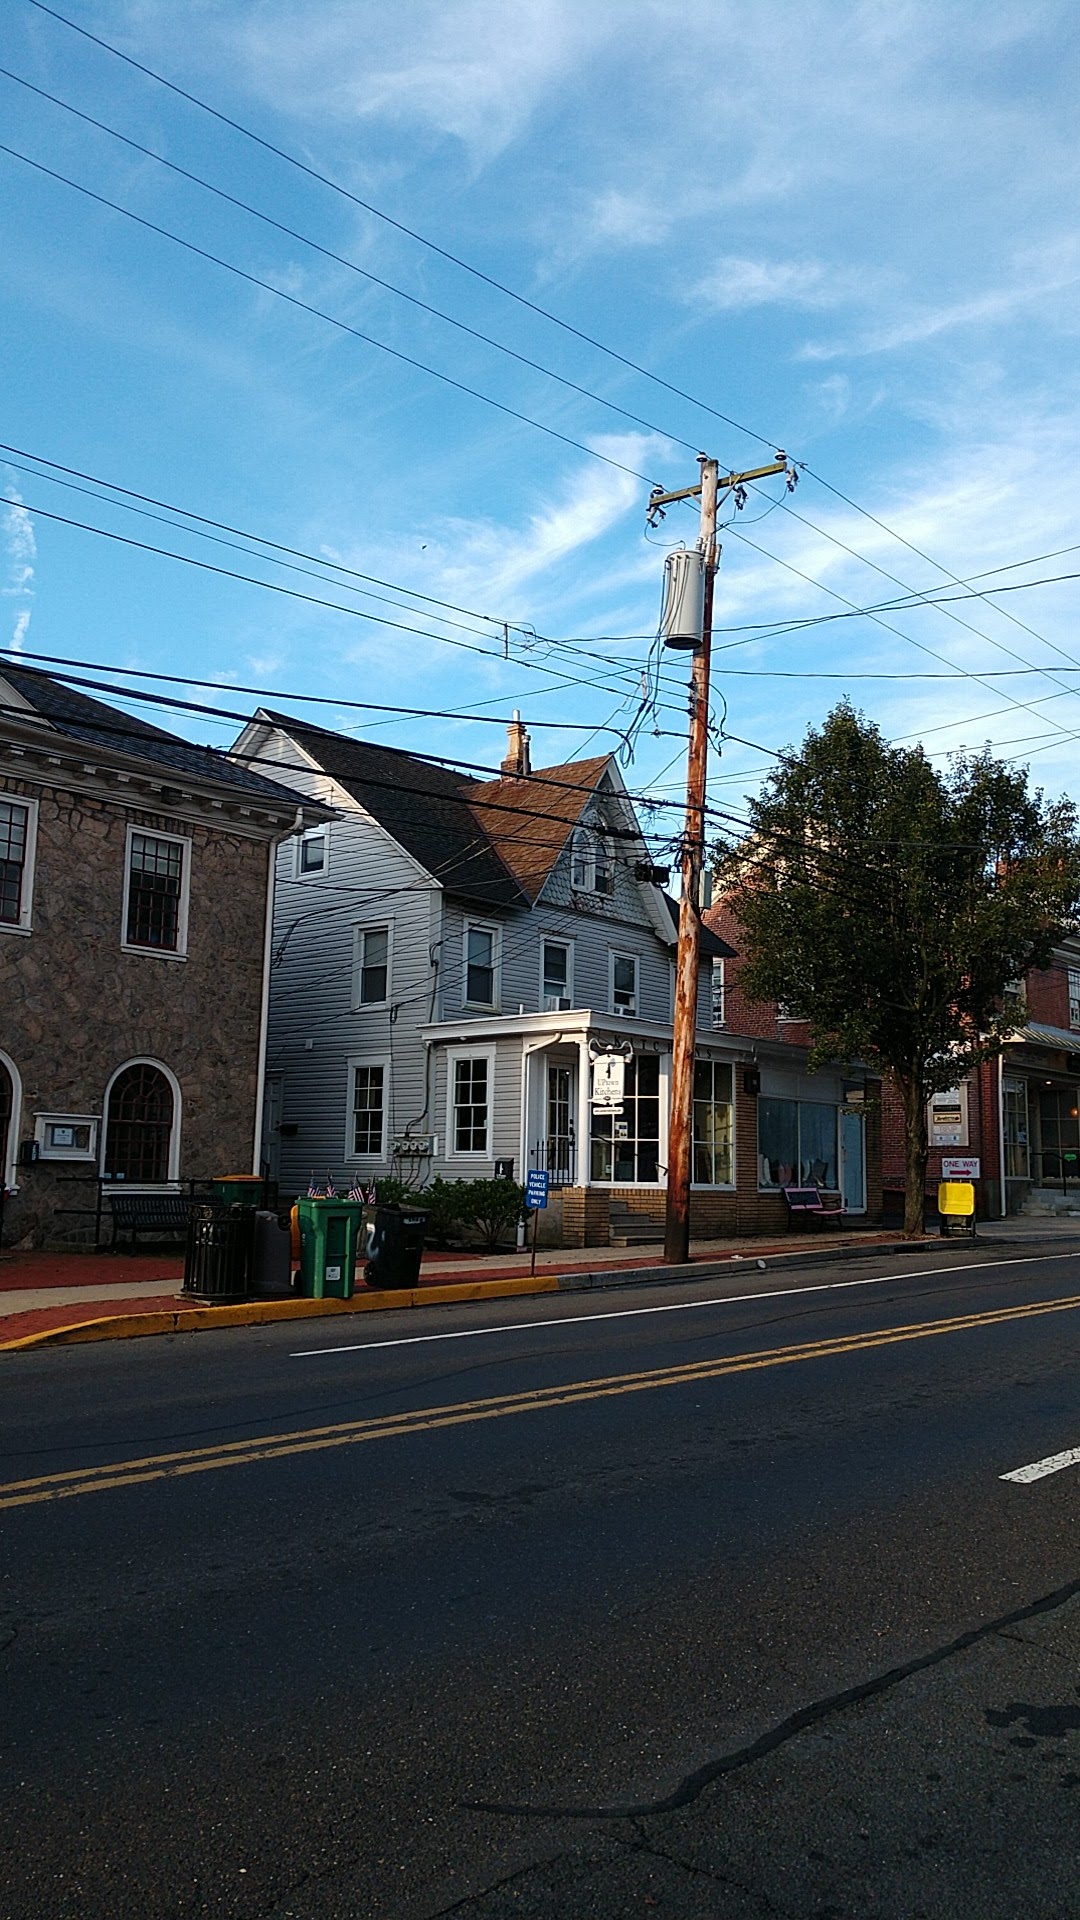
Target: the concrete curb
(254, 1313)
(579, 1282)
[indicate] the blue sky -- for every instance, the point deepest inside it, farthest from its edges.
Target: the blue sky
(851, 229)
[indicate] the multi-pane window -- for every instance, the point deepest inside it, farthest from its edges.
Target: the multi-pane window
(626, 1145)
(311, 852)
(556, 975)
(591, 869)
(139, 1125)
(797, 1143)
(471, 1104)
(155, 892)
(372, 966)
(368, 1109)
(14, 839)
(480, 966)
(1074, 996)
(714, 1127)
(718, 1007)
(624, 983)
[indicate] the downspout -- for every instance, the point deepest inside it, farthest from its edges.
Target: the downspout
(264, 1009)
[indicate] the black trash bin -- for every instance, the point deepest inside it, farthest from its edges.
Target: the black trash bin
(395, 1247)
(220, 1262)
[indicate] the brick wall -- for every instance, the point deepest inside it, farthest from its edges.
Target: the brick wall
(74, 1006)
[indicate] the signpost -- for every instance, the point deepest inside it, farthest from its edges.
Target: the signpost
(536, 1196)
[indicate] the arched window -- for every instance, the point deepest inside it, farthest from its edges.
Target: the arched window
(139, 1124)
(7, 1107)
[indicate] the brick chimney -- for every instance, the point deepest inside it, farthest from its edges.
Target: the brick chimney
(517, 762)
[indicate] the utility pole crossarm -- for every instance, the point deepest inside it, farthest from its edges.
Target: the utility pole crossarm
(658, 498)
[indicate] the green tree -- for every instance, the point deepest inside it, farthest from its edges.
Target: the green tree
(890, 904)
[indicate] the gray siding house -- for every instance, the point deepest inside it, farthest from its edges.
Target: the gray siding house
(449, 957)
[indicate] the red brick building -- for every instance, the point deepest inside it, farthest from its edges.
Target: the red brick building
(1017, 1115)
(795, 1127)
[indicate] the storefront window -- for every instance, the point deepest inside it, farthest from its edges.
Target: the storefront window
(626, 1145)
(713, 1124)
(797, 1144)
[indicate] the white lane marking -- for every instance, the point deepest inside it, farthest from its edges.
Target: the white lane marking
(1054, 1463)
(670, 1306)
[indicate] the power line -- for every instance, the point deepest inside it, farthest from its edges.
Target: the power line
(342, 260)
(320, 313)
(327, 181)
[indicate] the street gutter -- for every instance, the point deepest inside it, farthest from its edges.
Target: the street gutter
(255, 1313)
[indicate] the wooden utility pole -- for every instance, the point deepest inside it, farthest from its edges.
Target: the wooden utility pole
(681, 1125)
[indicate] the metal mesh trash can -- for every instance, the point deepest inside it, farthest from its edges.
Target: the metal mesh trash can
(395, 1247)
(220, 1259)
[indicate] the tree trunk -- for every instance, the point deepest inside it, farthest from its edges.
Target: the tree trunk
(916, 1153)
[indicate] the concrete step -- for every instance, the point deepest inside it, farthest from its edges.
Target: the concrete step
(648, 1235)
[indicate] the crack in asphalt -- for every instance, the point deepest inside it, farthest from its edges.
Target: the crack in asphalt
(693, 1784)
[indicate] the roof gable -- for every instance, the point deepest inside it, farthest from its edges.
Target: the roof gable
(76, 716)
(528, 819)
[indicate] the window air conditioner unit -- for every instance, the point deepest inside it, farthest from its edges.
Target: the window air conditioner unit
(554, 1003)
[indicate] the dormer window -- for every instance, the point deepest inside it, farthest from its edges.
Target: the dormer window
(591, 867)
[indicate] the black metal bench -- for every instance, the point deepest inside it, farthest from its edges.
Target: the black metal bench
(806, 1203)
(166, 1214)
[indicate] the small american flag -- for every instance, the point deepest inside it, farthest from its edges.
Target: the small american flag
(357, 1192)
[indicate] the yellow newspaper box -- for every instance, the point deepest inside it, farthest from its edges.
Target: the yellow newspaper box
(956, 1205)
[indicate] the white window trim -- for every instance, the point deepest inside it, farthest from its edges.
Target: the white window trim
(556, 940)
(718, 970)
(179, 952)
(25, 922)
(8, 1172)
(313, 833)
(620, 953)
(144, 1060)
(360, 928)
(583, 848)
(355, 1060)
(482, 926)
(720, 1186)
(471, 1156)
(1073, 987)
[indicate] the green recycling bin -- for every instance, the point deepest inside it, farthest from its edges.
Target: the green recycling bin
(329, 1236)
(239, 1189)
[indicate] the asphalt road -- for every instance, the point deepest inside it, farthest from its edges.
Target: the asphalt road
(650, 1601)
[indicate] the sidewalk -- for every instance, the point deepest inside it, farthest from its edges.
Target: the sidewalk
(47, 1293)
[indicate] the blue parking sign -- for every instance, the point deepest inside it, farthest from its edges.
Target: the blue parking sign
(536, 1188)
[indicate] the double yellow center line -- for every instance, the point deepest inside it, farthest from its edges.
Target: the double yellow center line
(349, 1433)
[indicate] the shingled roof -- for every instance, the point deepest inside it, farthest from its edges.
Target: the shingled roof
(79, 717)
(424, 807)
(528, 821)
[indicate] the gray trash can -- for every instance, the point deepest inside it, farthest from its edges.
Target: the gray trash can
(395, 1246)
(220, 1261)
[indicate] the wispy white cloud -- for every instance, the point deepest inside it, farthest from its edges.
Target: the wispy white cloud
(475, 72)
(20, 556)
(735, 282)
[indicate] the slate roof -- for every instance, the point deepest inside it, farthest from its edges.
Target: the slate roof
(551, 802)
(79, 717)
(424, 807)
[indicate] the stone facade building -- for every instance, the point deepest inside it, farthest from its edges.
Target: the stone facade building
(136, 875)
